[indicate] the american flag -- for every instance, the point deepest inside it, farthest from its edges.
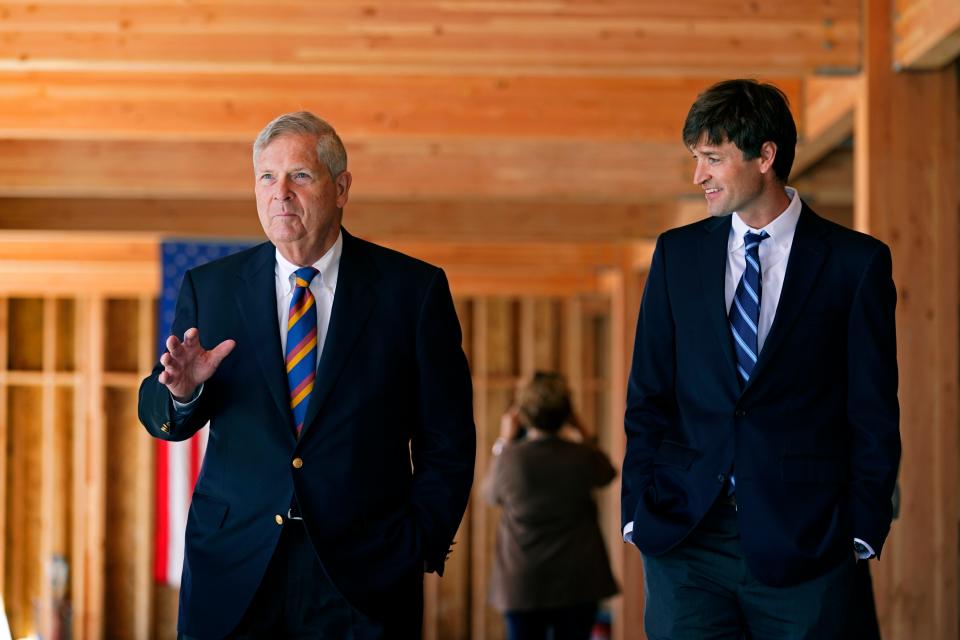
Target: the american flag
(178, 463)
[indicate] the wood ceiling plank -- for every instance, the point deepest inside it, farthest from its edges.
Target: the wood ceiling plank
(67, 263)
(827, 114)
(165, 106)
(378, 220)
(606, 37)
(383, 169)
(927, 33)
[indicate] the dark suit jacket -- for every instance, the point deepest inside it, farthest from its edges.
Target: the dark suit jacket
(387, 446)
(813, 439)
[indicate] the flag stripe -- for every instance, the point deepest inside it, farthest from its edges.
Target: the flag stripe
(178, 464)
(161, 512)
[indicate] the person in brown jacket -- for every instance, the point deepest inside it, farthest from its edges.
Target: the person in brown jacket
(551, 567)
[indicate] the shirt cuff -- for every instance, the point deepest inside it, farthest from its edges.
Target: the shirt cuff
(868, 553)
(183, 409)
(628, 532)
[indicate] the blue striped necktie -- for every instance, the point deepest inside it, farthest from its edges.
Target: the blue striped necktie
(301, 356)
(745, 310)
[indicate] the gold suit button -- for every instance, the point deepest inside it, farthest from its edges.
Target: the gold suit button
(297, 463)
(278, 518)
(165, 427)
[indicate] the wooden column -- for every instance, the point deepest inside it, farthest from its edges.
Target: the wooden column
(4, 436)
(144, 449)
(906, 154)
(625, 287)
(90, 493)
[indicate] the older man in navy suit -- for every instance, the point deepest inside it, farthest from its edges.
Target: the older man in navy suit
(342, 441)
(762, 419)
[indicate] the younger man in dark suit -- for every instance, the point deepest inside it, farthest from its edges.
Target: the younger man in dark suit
(341, 445)
(762, 419)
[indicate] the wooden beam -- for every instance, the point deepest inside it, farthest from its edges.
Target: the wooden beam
(143, 521)
(5, 436)
(50, 462)
(91, 445)
(174, 107)
(906, 163)
(397, 220)
(828, 183)
(68, 263)
(827, 116)
(926, 33)
(624, 286)
(382, 169)
(127, 265)
(614, 37)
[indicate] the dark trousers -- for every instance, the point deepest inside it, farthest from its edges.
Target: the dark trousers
(862, 621)
(296, 599)
(703, 590)
(565, 623)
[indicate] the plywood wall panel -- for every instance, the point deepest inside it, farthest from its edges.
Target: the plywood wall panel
(25, 566)
(123, 470)
(120, 348)
(65, 348)
(25, 338)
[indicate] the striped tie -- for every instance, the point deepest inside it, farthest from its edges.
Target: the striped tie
(745, 310)
(301, 354)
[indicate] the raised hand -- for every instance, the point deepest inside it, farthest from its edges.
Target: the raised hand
(186, 364)
(510, 424)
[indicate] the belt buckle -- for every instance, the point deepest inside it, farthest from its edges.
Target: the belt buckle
(729, 500)
(290, 515)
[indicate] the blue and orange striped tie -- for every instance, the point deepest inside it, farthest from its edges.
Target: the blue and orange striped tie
(301, 354)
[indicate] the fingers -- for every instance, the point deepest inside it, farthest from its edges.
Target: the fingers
(172, 370)
(191, 338)
(173, 345)
(186, 364)
(178, 355)
(221, 351)
(190, 344)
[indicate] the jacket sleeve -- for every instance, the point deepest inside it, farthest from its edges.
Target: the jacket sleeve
(872, 407)
(651, 402)
(443, 447)
(155, 407)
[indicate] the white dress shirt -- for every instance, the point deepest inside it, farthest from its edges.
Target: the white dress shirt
(774, 252)
(323, 287)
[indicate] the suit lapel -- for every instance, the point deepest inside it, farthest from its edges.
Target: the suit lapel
(713, 261)
(257, 307)
(803, 266)
(352, 305)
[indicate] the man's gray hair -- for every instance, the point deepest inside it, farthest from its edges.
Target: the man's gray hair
(330, 150)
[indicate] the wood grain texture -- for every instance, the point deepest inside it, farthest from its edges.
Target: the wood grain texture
(906, 167)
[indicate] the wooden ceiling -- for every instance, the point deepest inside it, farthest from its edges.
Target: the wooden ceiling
(463, 119)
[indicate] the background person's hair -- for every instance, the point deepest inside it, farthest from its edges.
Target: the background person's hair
(330, 149)
(747, 113)
(544, 402)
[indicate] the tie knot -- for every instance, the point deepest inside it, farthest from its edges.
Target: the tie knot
(304, 276)
(751, 241)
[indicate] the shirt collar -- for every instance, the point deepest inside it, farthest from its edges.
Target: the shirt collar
(780, 229)
(328, 265)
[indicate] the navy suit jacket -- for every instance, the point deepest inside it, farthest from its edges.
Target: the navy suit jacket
(813, 439)
(387, 446)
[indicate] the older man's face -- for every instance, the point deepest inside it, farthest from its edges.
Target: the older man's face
(300, 206)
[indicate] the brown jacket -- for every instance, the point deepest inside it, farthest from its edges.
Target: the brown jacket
(549, 551)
